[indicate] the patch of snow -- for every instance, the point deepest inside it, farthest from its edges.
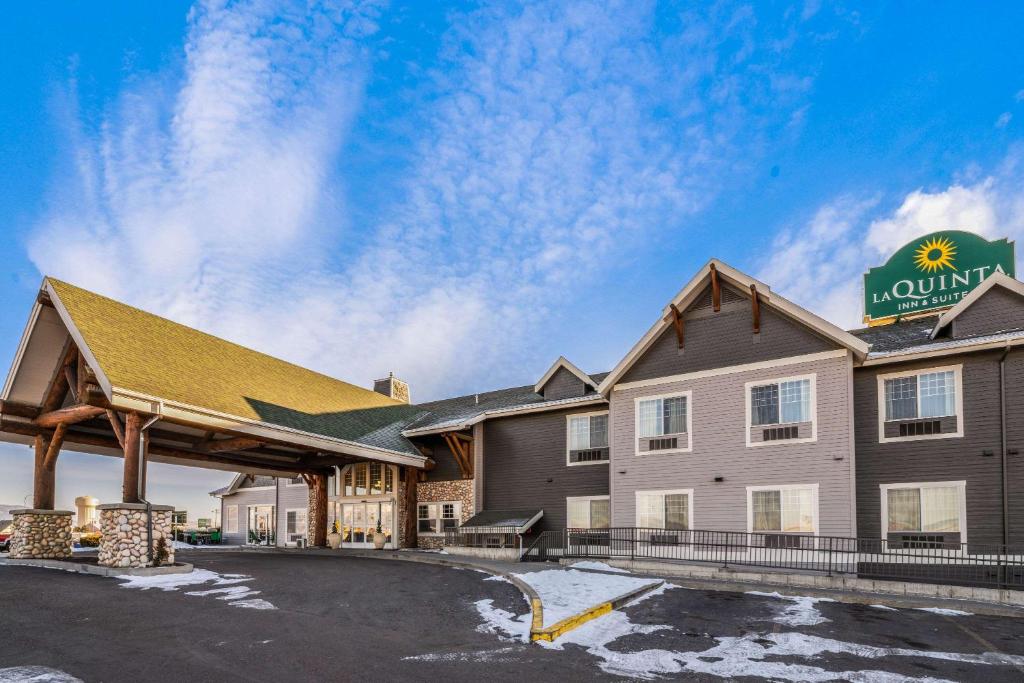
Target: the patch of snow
(255, 603)
(495, 577)
(503, 623)
(802, 612)
(599, 566)
(239, 596)
(884, 607)
(181, 545)
(35, 674)
(945, 612)
(477, 656)
(435, 551)
(169, 582)
(224, 593)
(568, 592)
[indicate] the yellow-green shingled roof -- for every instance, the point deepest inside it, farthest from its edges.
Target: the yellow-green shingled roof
(145, 353)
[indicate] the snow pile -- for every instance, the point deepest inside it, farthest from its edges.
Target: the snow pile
(945, 612)
(35, 674)
(884, 607)
(225, 587)
(598, 566)
(568, 592)
(801, 613)
(503, 623)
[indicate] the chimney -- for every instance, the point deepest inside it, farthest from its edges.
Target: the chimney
(392, 387)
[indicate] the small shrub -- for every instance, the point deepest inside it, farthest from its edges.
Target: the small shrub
(161, 554)
(89, 540)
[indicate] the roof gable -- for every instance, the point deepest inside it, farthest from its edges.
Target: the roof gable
(559, 371)
(693, 291)
(992, 287)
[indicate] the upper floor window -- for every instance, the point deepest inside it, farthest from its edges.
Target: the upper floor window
(920, 404)
(367, 479)
(781, 410)
(588, 438)
(663, 423)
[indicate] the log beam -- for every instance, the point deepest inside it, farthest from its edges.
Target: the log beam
(461, 447)
(117, 427)
(69, 416)
(238, 443)
(56, 441)
(755, 309)
(130, 484)
(59, 386)
(678, 324)
(716, 289)
(19, 409)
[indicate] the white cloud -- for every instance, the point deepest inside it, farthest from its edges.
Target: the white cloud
(553, 141)
(1004, 119)
(820, 265)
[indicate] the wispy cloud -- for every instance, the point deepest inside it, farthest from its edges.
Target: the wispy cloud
(556, 139)
(820, 264)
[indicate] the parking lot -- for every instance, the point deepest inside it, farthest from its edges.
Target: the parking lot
(275, 617)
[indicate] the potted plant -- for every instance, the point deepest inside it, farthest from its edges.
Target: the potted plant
(379, 539)
(334, 538)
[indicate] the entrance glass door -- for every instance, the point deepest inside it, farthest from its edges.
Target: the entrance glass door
(359, 522)
(262, 526)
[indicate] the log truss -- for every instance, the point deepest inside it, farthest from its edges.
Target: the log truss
(461, 447)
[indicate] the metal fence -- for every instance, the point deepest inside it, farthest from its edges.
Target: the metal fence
(920, 559)
(499, 537)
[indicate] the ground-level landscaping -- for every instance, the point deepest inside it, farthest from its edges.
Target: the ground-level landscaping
(281, 617)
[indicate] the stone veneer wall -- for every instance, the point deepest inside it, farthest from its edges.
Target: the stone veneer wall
(41, 534)
(124, 541)
(459, 490)
(402, 514)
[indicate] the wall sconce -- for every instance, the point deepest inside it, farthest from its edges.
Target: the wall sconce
(719, 479)
(987, 454)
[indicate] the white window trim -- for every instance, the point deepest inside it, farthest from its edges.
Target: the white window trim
(437, 534)
(961, 486)
(958, 397)
(568, 432)
(304, 535)
(781, 487)
(665, 492)
(234, 529)
(636, 423)
(288, 482)
(748, 387)
(579, 499)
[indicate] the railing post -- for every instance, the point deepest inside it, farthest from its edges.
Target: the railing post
(830, 556)
(632, 544)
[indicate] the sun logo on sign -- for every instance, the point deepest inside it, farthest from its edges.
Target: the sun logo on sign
(935, 254)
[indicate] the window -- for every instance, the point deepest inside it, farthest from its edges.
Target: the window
(920, 404)
(231, 519)
(296, 524)
(588, 512)
(663, 423)
(781, 410)
(436, 518)
(664, 509)
(934, 507)
(588, 438)
(783, 509)
(367, 479)
(297, 481)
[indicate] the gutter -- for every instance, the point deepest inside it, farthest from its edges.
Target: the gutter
(561, 404)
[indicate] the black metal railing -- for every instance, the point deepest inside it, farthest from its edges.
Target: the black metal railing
(499, 537)
(904, 558)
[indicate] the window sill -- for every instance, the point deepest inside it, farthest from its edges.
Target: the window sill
(591, 462)
(671, 451)
(922, 437)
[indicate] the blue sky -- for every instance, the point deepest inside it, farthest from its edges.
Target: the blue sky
(461, 193)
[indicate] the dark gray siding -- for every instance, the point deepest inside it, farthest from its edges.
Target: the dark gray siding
(524, 461)
(715, 340)
(446, 469)
(952, 459)
(563, 384)
(1015, 442)
(997, 310)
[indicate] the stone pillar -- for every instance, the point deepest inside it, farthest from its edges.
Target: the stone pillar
(316, 512)
(125, 535)
(41, 534)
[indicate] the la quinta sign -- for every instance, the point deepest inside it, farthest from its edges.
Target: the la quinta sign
(932, 272)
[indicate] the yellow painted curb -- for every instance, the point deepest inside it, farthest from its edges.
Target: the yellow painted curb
(566, 625)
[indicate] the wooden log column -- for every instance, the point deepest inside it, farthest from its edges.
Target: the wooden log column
(316, 513)
(130, 487)
(44, 478)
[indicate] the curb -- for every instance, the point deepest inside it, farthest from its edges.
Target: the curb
(568, 624)
(97, 570)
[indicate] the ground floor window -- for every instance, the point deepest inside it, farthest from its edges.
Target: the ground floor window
(231, 519)
(437, 518)
(296, 524)
(359, 521)
(262, 525)
(789, 509)
(931, 507)
(664, 509)
(588, 512)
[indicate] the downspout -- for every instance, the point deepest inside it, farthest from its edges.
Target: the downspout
(1003, 445)
(145, 467)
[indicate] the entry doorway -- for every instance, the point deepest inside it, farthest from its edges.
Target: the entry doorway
(262, 525)
(359, 522)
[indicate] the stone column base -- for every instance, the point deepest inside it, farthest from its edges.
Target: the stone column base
(125, 534)
(41, 535)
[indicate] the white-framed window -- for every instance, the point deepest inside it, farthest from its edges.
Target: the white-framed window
(664, 423)
(298, 481)
(588, 512)
(231, 519)
(295, 523)
(782, 410)
(587, 439)
(783, 509)
(436, 518)
(666, 509)
(921, 404)
(367, 479)
(925, 507)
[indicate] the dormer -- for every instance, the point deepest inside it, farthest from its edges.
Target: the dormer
(993, 307)
(564, 380)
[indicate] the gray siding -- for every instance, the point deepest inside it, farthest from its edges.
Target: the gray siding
(525, 467)
(563, 384)
(445, 469)
(947, 459)
(290, 497)
(715, 340)
(243, 498)
(720, 450)
(997, 310)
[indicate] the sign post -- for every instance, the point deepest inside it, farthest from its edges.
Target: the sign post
(933, 272)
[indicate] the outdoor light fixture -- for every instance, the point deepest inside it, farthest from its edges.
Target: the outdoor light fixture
(719, 479)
